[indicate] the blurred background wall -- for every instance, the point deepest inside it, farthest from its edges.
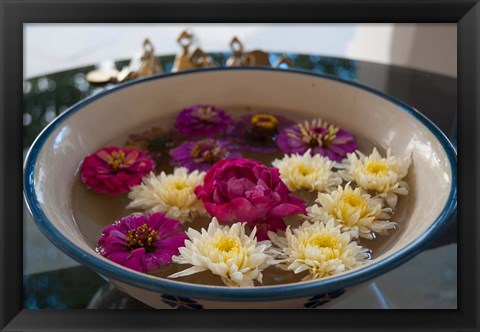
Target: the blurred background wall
(431, 47)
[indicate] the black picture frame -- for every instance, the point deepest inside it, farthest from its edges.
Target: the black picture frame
(13, 14)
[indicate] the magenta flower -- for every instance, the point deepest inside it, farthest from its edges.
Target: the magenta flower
(203, 154)
(114, 170)
(319, 136)
(202, 121)
(258, 132)
(142, 242)
(248, 191)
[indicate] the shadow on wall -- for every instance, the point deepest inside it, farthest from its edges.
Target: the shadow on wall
(430, 47)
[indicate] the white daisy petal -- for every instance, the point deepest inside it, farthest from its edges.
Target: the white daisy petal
(306, 172)
(227, 252)
(187, 272)
(354, 210)
(383, 175)
(171, 194)
(321, 249)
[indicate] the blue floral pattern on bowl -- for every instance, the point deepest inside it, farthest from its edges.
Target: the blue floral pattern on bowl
(178, 302)
(321, 299)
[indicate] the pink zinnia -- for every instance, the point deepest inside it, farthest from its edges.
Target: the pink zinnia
(247, 191)
(142, 242)
(115, 170)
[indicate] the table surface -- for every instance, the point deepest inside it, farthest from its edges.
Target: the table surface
(53, 280)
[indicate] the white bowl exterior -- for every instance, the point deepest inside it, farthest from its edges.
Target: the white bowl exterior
(365, 114)
(315, 301)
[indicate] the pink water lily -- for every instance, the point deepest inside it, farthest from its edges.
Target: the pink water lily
(246, 190)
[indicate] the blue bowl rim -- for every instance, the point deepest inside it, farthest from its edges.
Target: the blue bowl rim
(221, 293)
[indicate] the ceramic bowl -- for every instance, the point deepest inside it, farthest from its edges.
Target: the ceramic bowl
(378, 118)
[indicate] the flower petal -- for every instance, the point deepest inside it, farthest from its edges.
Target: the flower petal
(286, 209)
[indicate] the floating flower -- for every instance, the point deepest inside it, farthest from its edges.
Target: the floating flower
(319, 248)
(202, 120)
(114, 170)
(247, 191)
(320, 137)
(155, 141)
(227, 252)
(307, 172)
(172, 194)
(203, 154)
(383, 175)
(142, 242)
(354, 210)
(258, 132)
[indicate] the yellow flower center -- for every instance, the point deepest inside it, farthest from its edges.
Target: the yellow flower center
(208, 151)
(324, 241)
(178, 185)
(141, 237)
(204, 114)
(226, 244)
(325, 247)
(304, 170)
(264, 121)
(354, 201)
(315, 133)
(377, 168)
(118, 159)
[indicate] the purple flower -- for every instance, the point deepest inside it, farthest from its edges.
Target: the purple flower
(203, 154)
(258, 132)
(202, 121)
(142, 242)
(319, 136)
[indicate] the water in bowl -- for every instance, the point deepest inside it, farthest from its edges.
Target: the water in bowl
(93, 212)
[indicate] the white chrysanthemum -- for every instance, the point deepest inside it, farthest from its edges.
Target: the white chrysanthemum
(171, 194)
(320, 248)
(383, 175)
(307, 172)
(354, 210)
(226, 251)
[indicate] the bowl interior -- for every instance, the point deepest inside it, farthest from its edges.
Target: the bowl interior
(89, 125)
